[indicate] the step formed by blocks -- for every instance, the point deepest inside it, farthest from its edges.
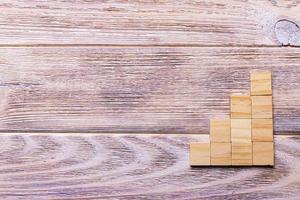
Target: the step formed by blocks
(241, 153)
(220, 153)
(200, 154)
(240, 106)
(246, 138)
(262, 130)
(261, 83)
(220, 130)
(262, 107)
(263, 153)
(241, 130)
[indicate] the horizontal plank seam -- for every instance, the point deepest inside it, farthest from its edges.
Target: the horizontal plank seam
(138, 45)
(120, 133)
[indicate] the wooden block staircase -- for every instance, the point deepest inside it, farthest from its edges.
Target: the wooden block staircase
(246, 138)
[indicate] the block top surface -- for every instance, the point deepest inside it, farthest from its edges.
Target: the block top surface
(241, 153)
(240, 106)
(220, 130)
(261, 83)
(262, 107)
(262, 130)
(200, 153)
(263, 153)
(241, 130)
(220, 153)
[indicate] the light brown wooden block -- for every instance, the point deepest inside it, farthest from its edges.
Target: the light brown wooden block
(220, 153)
(240, 106)
(263, 153)
(241, 130)
(262, 130)
(262, 107)
(241, 153)
(220, 130)
(261, 83)
(200, 154)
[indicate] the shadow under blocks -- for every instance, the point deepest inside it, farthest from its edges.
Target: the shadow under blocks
(246, 137)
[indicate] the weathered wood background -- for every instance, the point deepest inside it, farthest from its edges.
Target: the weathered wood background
(72, 68)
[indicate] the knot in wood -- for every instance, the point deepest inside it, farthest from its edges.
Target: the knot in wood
(287, 33)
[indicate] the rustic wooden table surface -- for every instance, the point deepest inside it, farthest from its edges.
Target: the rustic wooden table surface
(100, 99)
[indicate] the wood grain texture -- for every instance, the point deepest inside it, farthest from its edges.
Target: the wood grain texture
(168, 22)
(261, 83)
(200, 154)
(220, 153)
(240, 107)
(89, 167)
(262, 130)
(263, 153)
(136, 90)
(262, 107)
(241, 130)
(219, 130)
(242, 153)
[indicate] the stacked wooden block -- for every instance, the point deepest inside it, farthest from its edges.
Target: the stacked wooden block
(246, 139)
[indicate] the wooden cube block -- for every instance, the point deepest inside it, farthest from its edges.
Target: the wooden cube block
(200, 154)
(240, 106)
(261, 83)
(220, 153)
(262, 107)
(241, 130)
(220, 130)
(263, 153)
(241, 153)
(262, 130)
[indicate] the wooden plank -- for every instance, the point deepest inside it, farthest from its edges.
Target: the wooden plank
(45, 166)
(161, 90)
(168, 22)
